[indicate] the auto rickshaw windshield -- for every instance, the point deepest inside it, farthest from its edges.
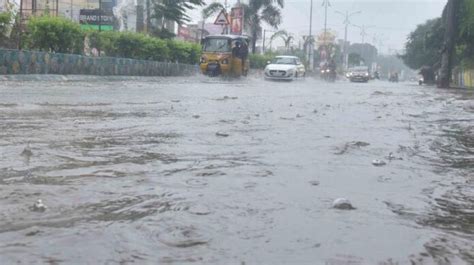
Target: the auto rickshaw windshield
(216, 45)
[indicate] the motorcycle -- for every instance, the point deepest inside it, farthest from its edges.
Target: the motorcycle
(329, 75)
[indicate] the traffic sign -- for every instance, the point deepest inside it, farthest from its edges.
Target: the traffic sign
(222, 18)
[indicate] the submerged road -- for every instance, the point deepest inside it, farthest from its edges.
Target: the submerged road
(209, 171)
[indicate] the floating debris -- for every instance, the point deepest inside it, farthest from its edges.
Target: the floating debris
(27, 151)
(314, 183)
(222, 134)
(227, 98)
(39, 206)
(342, 204)
(351, 145)
(378, 163)
(196, 116)
(299, 116)
(391, 157)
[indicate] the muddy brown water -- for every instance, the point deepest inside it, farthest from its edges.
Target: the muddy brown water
(208, 171)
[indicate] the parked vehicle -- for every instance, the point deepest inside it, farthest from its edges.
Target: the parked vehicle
(225, 55)
(358, 74)
(285, 68)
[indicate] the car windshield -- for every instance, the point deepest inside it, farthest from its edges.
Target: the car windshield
(216, 45)
(284, 60)
(360, 70)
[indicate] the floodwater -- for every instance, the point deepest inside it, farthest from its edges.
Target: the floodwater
(209, 171)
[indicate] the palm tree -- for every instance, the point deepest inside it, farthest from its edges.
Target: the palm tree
(285, 36)
(173, 10)
(255, 13)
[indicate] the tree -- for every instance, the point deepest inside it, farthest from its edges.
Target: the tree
(355, 59)
(285, 36)
(367, 51)
(5, 21)
(465, 49)
(451, 23)
(259, 11)
(424, 44)
(256, 12)
(174, 11)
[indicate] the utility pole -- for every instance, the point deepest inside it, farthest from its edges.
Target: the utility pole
(346, 22)
(326, 4)
(72, 17)
(100, 20)
(227, 14)
(264, 40)
(20, 25)
(363, 32)
(148, 18)
(448, 48)
(310, 39)
(263, 44)
(100, 15)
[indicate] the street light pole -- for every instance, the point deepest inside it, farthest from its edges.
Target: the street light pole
(326, 4)
(346, 23)
(20, 25)
(100, 20)
(310, 43)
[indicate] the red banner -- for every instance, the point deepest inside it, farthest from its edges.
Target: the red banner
(237, 19)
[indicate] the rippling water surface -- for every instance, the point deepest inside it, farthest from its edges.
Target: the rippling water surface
(202, 171)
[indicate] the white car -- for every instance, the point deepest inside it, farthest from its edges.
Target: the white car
(284, 68)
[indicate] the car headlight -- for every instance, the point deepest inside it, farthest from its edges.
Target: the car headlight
(366, 74)
(203, 59)
(225, 61)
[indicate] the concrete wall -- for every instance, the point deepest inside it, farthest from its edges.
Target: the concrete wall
(14, 62)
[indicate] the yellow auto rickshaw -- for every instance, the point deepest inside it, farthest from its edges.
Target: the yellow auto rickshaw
(225, 55)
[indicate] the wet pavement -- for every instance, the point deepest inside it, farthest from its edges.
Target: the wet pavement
(209, 171)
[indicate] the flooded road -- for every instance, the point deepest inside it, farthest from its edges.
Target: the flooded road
(203, 171)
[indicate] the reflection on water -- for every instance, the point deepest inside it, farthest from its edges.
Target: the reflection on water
(139, 172)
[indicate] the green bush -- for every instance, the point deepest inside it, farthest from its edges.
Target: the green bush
(184, 52)
(5, 21)
(143, 47)
(54, 34)
(258, 61)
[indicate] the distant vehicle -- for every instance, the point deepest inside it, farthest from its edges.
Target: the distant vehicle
(359, 74)
(421, 80)
(284, 68)
(328, 75)
(393, 77)
(225, 55)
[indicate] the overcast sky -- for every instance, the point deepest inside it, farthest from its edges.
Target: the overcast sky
(389, 20)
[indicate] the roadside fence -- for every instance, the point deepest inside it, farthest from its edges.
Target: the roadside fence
(15, 62)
